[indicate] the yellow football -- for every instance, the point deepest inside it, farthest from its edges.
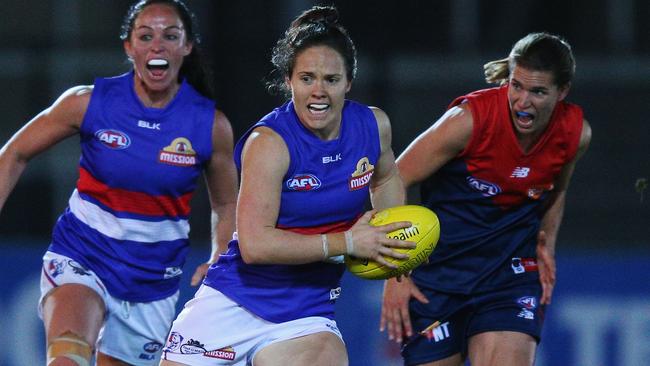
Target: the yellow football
(424, 231)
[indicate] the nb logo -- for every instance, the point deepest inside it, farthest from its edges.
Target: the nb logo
(520, 172)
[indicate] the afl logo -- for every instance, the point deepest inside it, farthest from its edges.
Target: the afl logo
(487, 189)
(303, 182)
(152, 347)
(113, 139)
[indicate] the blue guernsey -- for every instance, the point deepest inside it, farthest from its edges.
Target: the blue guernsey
(325, 189)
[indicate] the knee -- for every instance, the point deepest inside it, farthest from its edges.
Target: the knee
(69, 349)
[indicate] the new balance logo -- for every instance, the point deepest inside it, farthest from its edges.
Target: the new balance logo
(520, 172)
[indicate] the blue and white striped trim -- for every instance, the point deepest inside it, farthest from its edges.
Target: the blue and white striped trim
(126, 229)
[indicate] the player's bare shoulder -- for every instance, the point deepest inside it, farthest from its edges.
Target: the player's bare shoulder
(77, 96)
(383, 124)
(71, 106)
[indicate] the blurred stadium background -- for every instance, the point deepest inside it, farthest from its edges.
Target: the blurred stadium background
(415, 56)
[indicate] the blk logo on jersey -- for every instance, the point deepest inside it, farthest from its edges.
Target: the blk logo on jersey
(303, 182)
(113, 139)
(520, 172)
(179, 153)
(362, 174)
(149, 125)
(331, 159)
(486, 188)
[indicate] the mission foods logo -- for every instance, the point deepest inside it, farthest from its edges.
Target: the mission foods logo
(113, 139)
(361, 175)
(226, 353)
(179, 153)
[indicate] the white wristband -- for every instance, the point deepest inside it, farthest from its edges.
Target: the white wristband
(349, 243)
(326, 246)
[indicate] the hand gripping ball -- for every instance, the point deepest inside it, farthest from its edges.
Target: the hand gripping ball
(424, 231)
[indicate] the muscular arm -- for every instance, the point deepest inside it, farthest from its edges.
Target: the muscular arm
(62, 119)
(386, 187)
(553, 215)
(443, 141)
(221, 180)
(265, 160)
(552, 219)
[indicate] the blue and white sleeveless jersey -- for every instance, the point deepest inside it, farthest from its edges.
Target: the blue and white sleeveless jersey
(127, 219)
(325, 189)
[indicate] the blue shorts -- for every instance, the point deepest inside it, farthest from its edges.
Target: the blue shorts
(514, 309)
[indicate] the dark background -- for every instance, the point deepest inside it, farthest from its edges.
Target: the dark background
(414, 58)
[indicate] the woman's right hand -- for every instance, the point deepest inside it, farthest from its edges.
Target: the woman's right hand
(370, 242)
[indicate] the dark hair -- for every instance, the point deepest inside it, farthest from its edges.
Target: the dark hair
(314, 27)
(194, 69)
(536, 51)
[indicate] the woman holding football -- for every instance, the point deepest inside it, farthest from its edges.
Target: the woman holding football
(307, 170)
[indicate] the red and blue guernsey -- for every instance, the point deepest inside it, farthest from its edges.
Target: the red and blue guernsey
(490, 198)
(324, 190)
(127, 220)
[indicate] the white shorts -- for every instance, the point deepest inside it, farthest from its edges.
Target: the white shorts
(214, 330)
(133, 332)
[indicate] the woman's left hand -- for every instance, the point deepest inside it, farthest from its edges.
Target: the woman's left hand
(546, 265)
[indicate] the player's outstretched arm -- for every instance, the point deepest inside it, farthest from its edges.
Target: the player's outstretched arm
(62, 119)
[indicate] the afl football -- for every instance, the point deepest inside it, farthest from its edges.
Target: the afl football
(424, 231)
